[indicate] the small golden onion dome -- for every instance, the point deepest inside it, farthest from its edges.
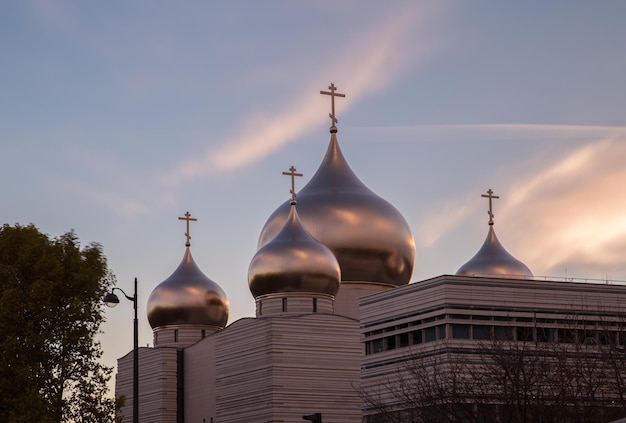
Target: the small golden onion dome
(493, 260)
(369, 237)
(188, 297)
(293, 261)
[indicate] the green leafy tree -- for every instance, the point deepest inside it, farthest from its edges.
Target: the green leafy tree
(50, 314)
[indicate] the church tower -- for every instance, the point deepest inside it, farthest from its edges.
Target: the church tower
(493, 260)
(188, 305)
(293, 273)
(369, 237)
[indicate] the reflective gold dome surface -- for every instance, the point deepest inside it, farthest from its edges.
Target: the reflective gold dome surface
(493, 260)
(369, 237)
(188, 297)
(293, 261)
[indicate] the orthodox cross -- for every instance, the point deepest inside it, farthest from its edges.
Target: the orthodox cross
(293, 174)
(490, 196)
(188, 218)
(332, 95)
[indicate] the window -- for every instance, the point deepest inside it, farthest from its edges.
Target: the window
(314, 305)
(403, 339)
(481, 332)
(503, 333)
(175, 335)
(441, 332)
(545, 335)
(390, 343)
(567, 336)
(525, 334)
(417, 336)
(430, 334)
(377, 345)
(460, 331)
(284, 305)
(590, 338)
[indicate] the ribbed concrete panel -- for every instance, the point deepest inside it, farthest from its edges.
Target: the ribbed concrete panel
(157, 385)
(279, 368)
(347, 299)
(200, 381)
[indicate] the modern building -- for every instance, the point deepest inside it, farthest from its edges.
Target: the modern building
(337, 322)
(492, 343)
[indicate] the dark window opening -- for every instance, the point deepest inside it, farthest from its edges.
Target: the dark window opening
(441, 332)
(481, 332)
(525, 334)
(417, 336)
(460, 331)
(503, 333)
(390, 343)
(545, 335)
(403, 339)
(377, 345)
(430, 334)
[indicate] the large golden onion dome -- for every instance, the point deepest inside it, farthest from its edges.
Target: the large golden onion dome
(369, 237)
(493, 259)
(293, 261)
(188, 297)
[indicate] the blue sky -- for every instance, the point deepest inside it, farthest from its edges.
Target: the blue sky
(118, 117)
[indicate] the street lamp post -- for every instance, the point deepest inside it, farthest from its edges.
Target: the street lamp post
(112, 300)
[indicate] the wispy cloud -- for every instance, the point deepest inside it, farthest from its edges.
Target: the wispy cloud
(556, 211)
(573, 210)
(448, 216)
(497, 132)
(370, 62)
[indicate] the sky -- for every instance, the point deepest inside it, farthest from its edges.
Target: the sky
(118, 117)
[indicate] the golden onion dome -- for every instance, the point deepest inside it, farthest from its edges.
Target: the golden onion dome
(369, 237)
(493, 259)
(293, 261)
(188, 297)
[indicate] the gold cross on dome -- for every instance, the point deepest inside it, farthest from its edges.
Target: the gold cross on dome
(490, 196)
(332, 95)
(188, 218)
(293, 174)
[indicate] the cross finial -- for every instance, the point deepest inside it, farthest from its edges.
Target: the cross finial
(293, 174)
(490, 196)
(188, 218)
(332, 95)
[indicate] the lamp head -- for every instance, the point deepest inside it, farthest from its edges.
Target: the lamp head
(111, 300)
